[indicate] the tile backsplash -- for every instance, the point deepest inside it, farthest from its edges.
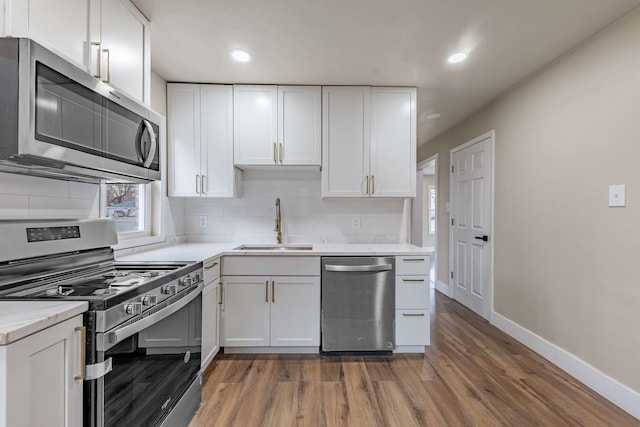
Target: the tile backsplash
(306, 217)
(40, 198)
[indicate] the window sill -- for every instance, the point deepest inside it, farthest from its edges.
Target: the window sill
(140, 241)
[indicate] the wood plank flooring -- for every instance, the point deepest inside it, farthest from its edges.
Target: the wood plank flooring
(472, 374)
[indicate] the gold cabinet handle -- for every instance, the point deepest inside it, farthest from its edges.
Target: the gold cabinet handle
(203, 180)
(373, 184)
(413, 280)
(280, 152)
(412, 259)
(413, 314)
(221, 294)
(108, 52)
(83, 340)
(266, 291)
(209, 267)
(367, 184)
(275, 151)
(98, 75)
(273, 291)
(197, 182)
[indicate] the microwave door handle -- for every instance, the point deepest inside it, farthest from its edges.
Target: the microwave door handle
(154, 143)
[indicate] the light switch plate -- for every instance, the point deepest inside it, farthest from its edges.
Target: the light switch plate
(617, 195)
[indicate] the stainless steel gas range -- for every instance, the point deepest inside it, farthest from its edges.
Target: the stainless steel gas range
(143, 327)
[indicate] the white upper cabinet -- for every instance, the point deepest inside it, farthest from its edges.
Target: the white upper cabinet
(369, 142)
(124, 37)
(345, 141)
(392, 153)
(200, 140)
(62, 25)
(277, 125)
(108, 38)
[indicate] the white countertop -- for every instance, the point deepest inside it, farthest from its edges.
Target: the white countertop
(205, 251)
(21, 318)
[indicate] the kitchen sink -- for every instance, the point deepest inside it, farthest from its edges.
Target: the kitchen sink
(269, 247)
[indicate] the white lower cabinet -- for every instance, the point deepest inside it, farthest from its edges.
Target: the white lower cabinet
(210, 322)
(38, 385)
(211, 300)
(412, 304)
(271, 311)
(246, 311)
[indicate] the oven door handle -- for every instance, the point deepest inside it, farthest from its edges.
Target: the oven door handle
(109, 339)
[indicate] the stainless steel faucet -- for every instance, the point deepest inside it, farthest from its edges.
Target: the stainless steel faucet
(278, 228)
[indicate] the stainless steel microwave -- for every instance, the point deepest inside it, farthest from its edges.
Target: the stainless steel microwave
(58, 121)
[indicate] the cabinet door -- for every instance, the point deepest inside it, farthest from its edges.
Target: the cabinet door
(255, 125)
(125, 45)
(210, 316)
(345, 141)
(37, 382)
(295, 311)
(393, 142)
(245, 311)
(217, 141)
(299, 125)
(62, 26)
(183, 109)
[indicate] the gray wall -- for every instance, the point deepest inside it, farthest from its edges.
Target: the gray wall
(566, 265)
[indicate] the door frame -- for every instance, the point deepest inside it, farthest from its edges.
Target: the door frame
(419, 202)
(487, 312)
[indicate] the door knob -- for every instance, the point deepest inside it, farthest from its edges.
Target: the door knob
(484, 238)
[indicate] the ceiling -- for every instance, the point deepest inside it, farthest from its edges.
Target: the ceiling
(374, 42)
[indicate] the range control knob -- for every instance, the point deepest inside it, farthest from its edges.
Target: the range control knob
(133, 308)
(169, 289)
(149, 300)
(185, 281)
(197, 277)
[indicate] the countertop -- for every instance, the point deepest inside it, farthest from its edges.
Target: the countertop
(205, 251)
(19, 319)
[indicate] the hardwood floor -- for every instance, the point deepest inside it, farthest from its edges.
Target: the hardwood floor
(472, 374)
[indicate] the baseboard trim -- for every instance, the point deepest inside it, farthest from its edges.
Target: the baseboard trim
(443, 288)
(409, 349)
(619, 394)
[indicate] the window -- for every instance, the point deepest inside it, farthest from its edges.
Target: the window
(129, 205)
(432, 209)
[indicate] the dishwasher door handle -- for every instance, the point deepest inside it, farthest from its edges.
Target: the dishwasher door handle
(355, 268)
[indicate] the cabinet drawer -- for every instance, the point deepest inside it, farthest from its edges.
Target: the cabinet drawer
(412, 265)
(412, 292)
(412, 327)
(271, 265)
(211, 270)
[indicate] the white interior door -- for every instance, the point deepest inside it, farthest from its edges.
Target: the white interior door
(471, 198)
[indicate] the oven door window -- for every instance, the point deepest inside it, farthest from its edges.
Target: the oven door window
(153, 369)
(67, 114)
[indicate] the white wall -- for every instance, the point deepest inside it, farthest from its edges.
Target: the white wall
(305, 216)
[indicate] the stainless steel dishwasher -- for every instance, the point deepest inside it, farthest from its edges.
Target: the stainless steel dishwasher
(358, 304)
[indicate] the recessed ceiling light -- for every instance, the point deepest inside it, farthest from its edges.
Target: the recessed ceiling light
(432, 116)
(457, 57)
(240, 55)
